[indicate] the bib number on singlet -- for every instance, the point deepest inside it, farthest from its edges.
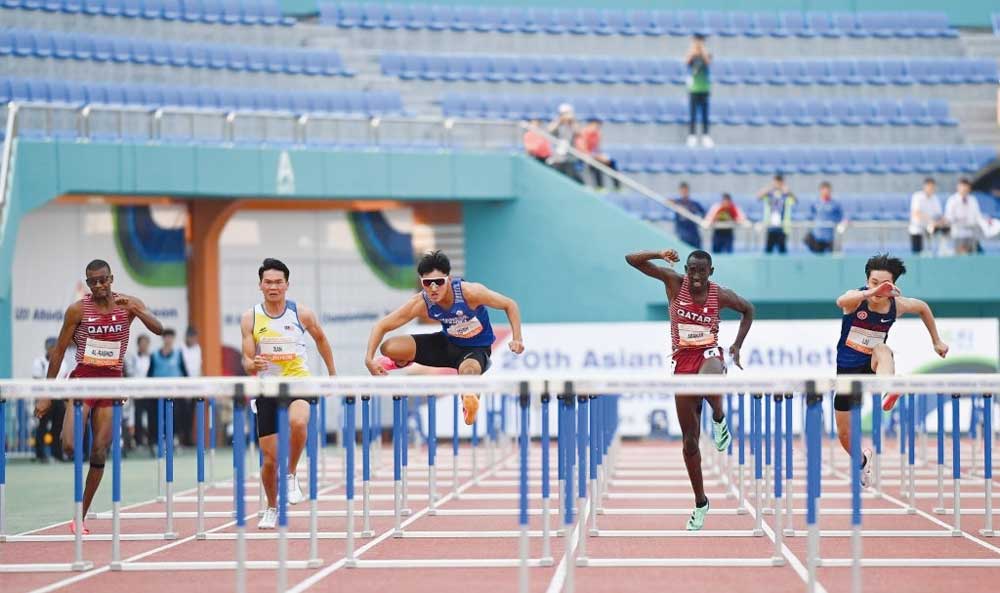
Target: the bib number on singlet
(693, 335)
(100, 353)
(278, 349)
(466, 329)
(864, 340)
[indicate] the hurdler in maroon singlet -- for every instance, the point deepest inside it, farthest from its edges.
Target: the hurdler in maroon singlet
(694, 329)
(101, 340)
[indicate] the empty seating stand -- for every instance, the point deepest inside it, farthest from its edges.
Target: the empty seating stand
(236, 58)
(632, 23)
(648, 71)
(226, 12)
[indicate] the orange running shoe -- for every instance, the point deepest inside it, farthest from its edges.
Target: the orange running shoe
(72, 528)
(470, 406)
(889, 402)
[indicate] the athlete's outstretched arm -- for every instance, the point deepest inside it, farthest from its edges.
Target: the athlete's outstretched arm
(72, 318)
(478, 293)
(906, 305)
(852, 299)
(395, 320)
(137, 308)
(730, 300)
(311, 323)
(643, 261)
(252, 362)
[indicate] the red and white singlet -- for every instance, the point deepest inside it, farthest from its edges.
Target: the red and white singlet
(694, 329)
(101, 340)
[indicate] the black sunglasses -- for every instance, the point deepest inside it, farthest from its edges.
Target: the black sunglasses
(92, 282)
(428, 282)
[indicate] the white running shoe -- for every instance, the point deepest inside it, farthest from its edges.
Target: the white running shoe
(692, 141)
(706, 141)
(269, 519)
(866, 468)
(295, 495)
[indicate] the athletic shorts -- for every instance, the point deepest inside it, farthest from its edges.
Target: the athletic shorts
(83, 371)
(688, 361)
(842, 403)
(266, 409)
(436, 350)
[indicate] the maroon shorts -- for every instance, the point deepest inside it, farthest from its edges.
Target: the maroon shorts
(688, 361)
(83, 371)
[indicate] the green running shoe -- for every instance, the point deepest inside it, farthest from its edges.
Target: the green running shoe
(697, 519)
(720, 434)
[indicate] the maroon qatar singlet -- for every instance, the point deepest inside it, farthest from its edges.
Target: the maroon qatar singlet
(694, 329)
(101, 340)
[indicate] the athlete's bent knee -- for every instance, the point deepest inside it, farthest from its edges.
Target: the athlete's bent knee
(712, 366)
(691, 446)
(470, 366)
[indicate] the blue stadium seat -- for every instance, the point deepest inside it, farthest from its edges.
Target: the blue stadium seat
(391, 64)
(595, 22)
(916, 112)
(768, 23)
(475, 68)
(796, 24)
(676, 71)
(889, 111)
(197, 55)
(820, 72)
(726, 72)
(257, 59)
(142, 53)
(771, 72)
(819, 111)
(211, 11)
(62, 45)
(771, 111)
(729, 161)
(121, 50)
(373, 16)
(101, 49)
(847, 22)
(926, 71)
(897, 72)
(606, 70)
(647, 24)
(821, 24)
(746, 24)
(721, 23)
(159, 52)
(917, 158)
(931, 24)
(170, 10)
(576, 68)
(846, 72)
(628, 71)
(896, 163)
(434, 67)
(937, 109)
(871, 72)
(796, 112)
(845, 113)
(981, 71)
(795, 72)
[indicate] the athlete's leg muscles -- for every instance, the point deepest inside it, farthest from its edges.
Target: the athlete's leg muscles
(298, 421)
(67, 431)
(400, 350)
(269, 470)
(688, 418)
(843, 429)
(883, 362)
(714, 366)
(470, 366)
(101, 419)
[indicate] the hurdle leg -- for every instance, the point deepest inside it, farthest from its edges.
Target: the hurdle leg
(491, 428)
(78, 562)
(594, 436)
(116, 485)
(323, 442)
(405, 444)
(524, 580)
(397, 466)
(741, 494)
(568, 498)
(987, 463)
(349, 417)
(767, 507)
(283, 452)
(168, 427)
(778, 559)
(560, 448)
(758, 470)
(239, 484)
(366, 468)
(312, 446)
(546, 502)
(956, 468)
(431, 453)
(211, 441)
(160, 413)
(199, 404)
(475, 450)
(3, 470)
(581, 449)
(911, 436)
(832, 442)
(939, 509)
(903, 422)
(855, 444)
(814, 451)
(973, 437)
(454, 447)
(877, 442)
(789, 465)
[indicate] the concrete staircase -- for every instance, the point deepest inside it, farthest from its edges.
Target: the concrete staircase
(978, 118)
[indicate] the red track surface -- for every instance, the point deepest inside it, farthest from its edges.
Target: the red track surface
(665, 457)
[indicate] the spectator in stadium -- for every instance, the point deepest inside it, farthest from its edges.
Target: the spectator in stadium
(828, 216)
(535, 144)
(169, 362)
(565, 128)
(698, 60)
(722, 216)
(137, 365)
(688, 230)
(777, 215)
(925, 215)
(51, 421)
(191, 351)
(965, 218)
(588, 141)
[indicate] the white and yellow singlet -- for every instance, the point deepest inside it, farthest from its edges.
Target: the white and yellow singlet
(282, 341)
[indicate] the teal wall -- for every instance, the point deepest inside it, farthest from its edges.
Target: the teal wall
(529, 232)
(967, 13)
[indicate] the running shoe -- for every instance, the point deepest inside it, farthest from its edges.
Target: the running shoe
(72, 528)
(470, 406)
(866, 468)
(697, 519)
(269, 519)
(390, 365)
(720, 434)
(889, 401)
(295, 495)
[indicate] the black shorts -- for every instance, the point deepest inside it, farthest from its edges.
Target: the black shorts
(842, 403)
(436, 350)
(267, 415)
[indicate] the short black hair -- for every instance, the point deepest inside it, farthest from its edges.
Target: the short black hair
(98, 264)
(885, 263)
(779, 176)
(169, 332)
(964, 181)
(141, 338)
(433, 260)
(273, 264)
(825, 184)
(700, 36)
(683, 185)
(702, 255)
(726, 196)
(929, 180)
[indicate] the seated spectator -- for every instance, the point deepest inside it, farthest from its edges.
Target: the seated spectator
(777, 214)
(687, 229)
(828, 215)
(588, 141)
(726, 214)
(535, 144)
(925, 215)
(565, 128)
(965, 218)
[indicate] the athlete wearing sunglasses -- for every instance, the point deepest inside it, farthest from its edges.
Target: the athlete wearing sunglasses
(466, 337)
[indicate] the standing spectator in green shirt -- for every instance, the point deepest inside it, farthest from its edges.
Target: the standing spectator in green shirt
(698, 60)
